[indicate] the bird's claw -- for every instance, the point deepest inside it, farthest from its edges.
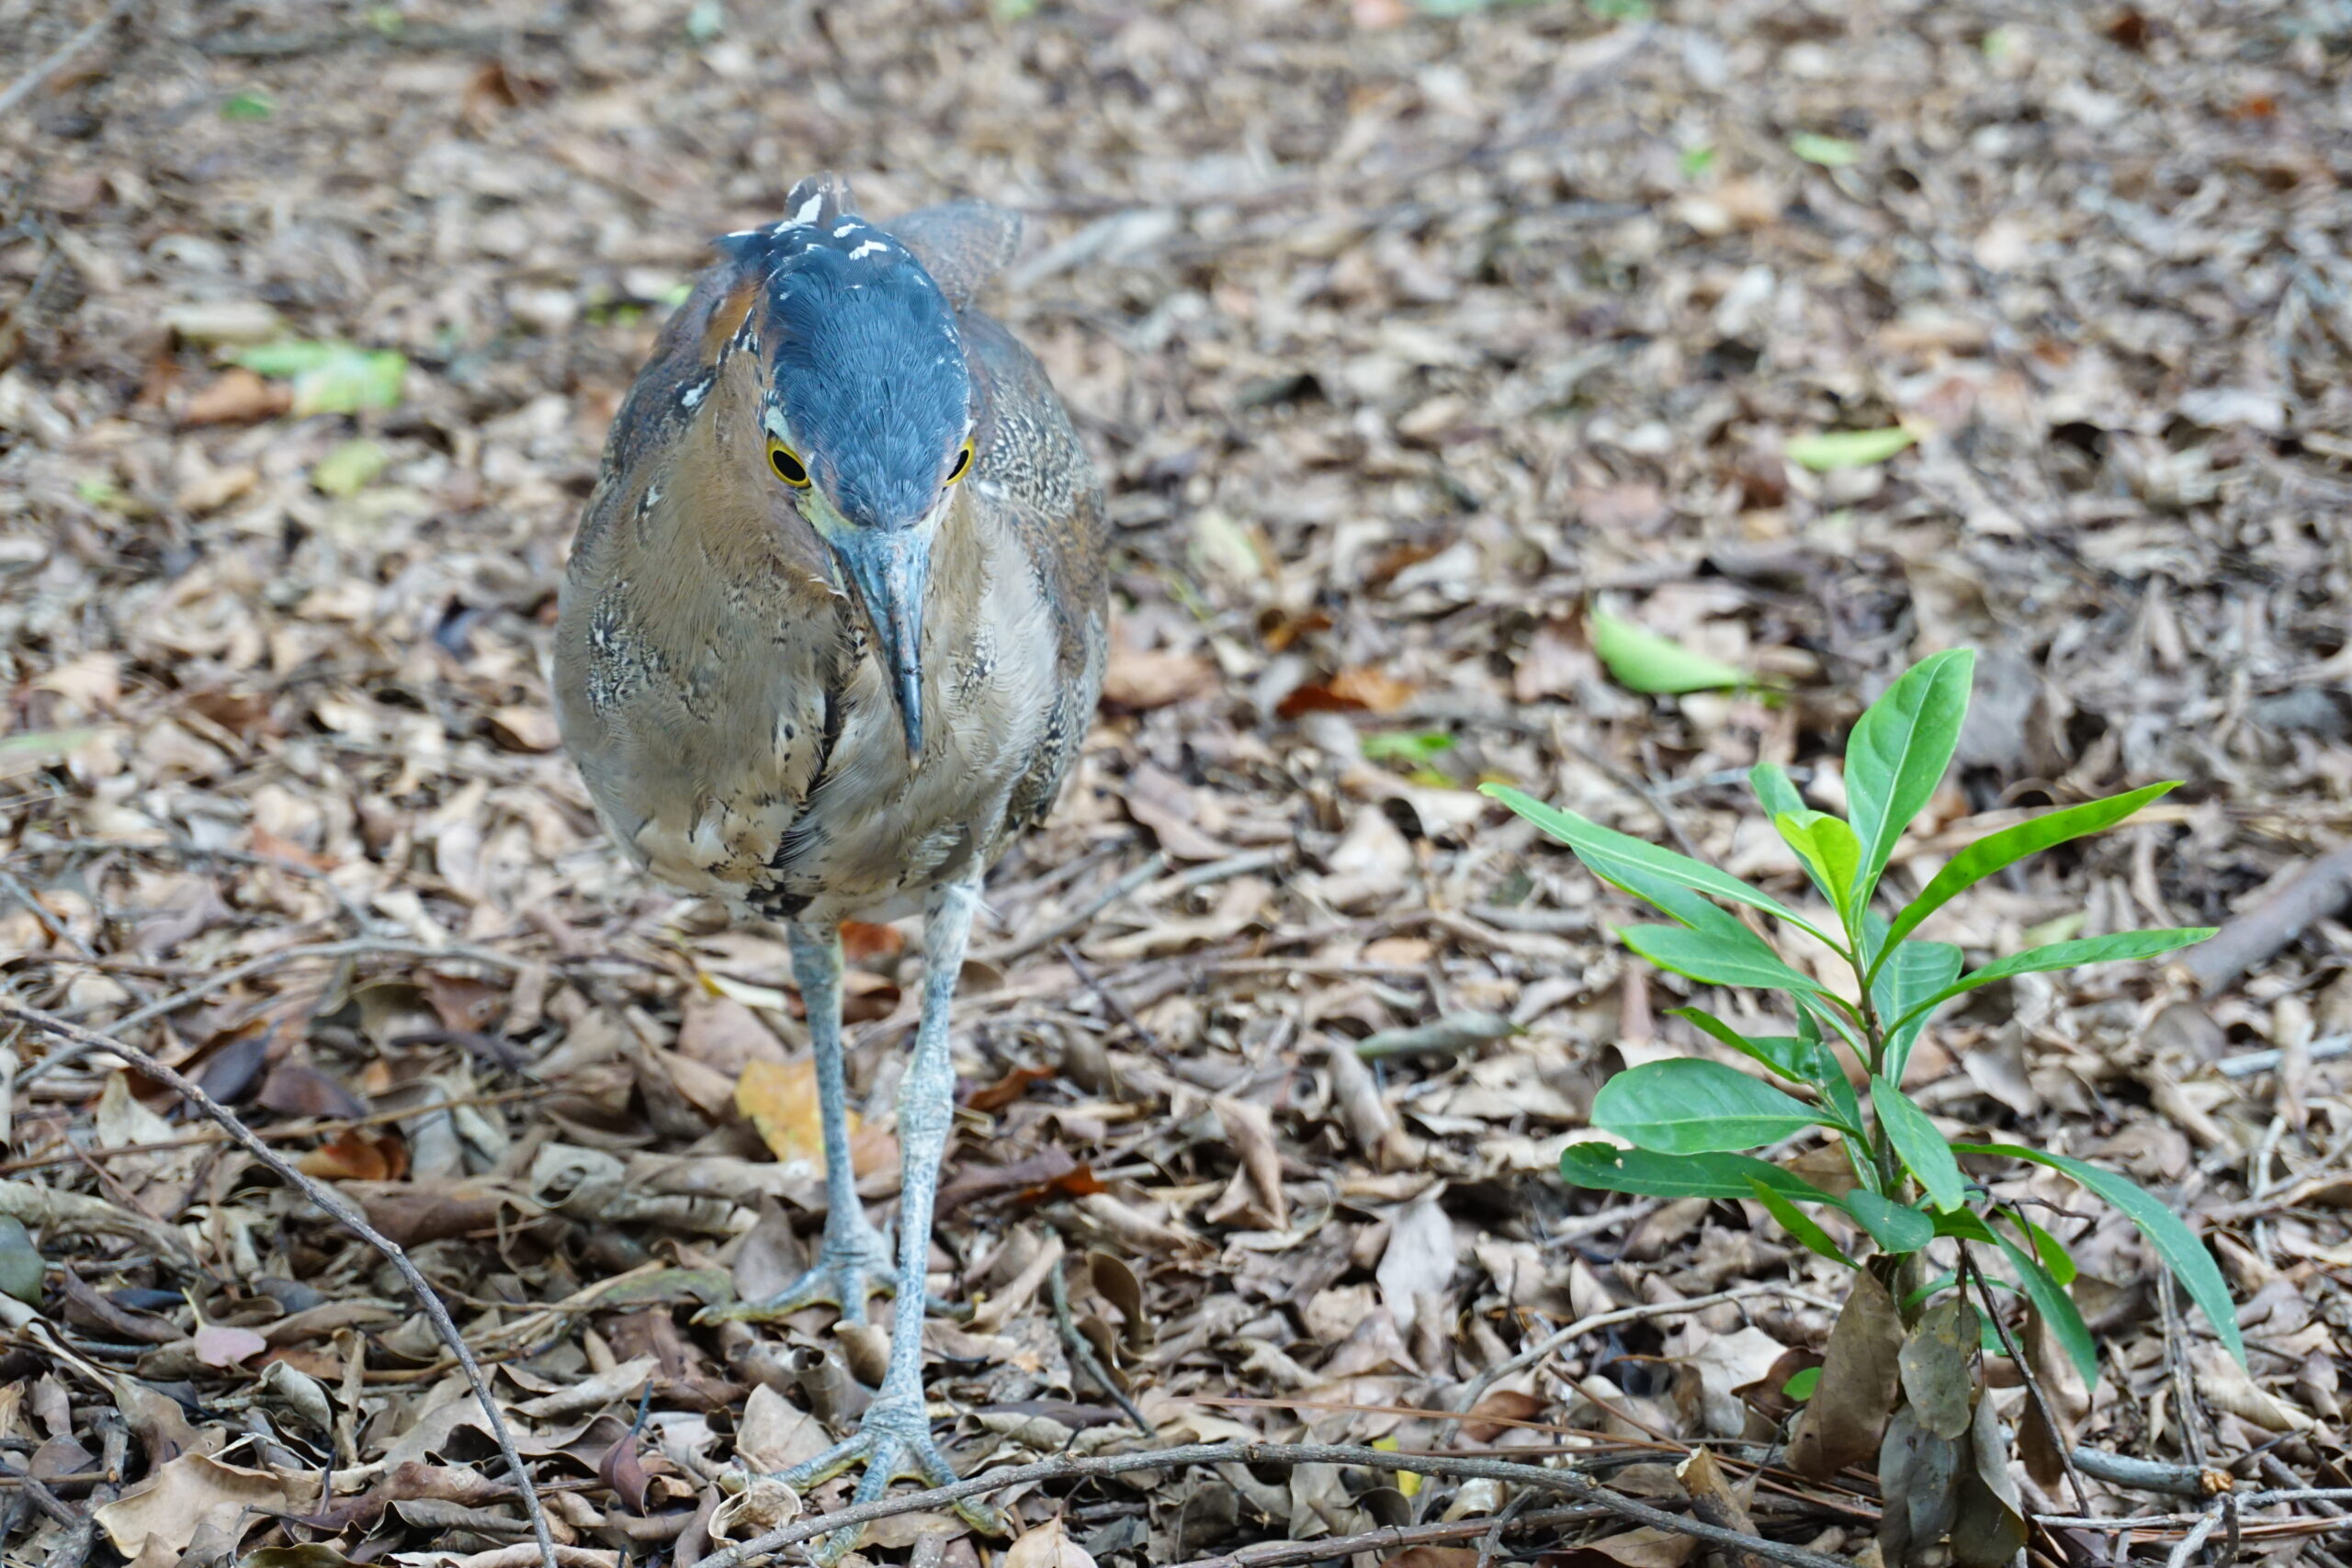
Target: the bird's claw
(894, 1442)
(849, 1267)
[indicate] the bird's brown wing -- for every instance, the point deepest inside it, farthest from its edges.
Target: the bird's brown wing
(962, 244)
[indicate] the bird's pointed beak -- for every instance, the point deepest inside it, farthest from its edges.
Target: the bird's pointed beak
(887, 569)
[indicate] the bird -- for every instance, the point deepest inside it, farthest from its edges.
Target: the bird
(830, 639)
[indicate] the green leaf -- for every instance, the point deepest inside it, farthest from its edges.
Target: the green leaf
(1921, 1148)
(1407, 745)
(2052, 1253)
(1696, 161)
(2063, 956)
(1800, 1224)
(1898, 752)
(2056, 1307)
(350, 467)
(1911, 974)
(1603, 1166)
(1603, 849)
(248, 107)
(1793, 1056)
(1644, 661)
(1828, 449)
(2010, 845)
(1697, 1107)
(1896, 1227)
(1800, 1387)
(1829, 151)
(1832, 856)
(2166, 1232)
(331, 378)
(1770, 782)
(1708, 957)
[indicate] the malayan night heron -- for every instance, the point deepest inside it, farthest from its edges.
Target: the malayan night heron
(833, 633)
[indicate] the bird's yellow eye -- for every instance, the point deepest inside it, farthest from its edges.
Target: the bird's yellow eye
(963, 463)
(787, 464)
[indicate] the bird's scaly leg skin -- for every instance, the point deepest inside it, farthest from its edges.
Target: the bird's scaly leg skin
(853, 1261)
(894, 1439)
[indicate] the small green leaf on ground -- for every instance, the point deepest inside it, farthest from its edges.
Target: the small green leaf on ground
(1848, 448)
(350, 467)
(248, 106)
(1407, 745)
(1829, 151)
(1800, 1387)
(1644, 662)
(1619, 10)
(1697, 161)
(331, 378)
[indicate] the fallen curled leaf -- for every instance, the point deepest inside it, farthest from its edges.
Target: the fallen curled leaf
(357, 1155)
(862, 941)
(1048, 1546)
(1080, 1181)
(154, 1521)
(1842, 1422)
(1499, 1410)
(224, 1345)
(1140, 679)
(779, 1099)
(1006, 1089)
(236, 395)
(1358, 689)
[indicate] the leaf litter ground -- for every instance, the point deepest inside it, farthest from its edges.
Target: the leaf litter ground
(1402, 341)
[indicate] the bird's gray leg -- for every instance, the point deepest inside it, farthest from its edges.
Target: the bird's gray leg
(894, 1439)
(853, 1261)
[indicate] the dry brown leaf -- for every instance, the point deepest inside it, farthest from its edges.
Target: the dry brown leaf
(1046, 1546)
(154, 1521)
(1841, 1423)
(780, 1101)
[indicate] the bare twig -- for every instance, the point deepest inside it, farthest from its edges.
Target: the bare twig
(2033, 1384)
(1093, 981)
(1067, 1467)
(1083, 1353)
(1477, 1388)
(2246, 1066)
(2185, 1552)
(29, 82)
(333, 1206)
(213, 984)
(2319, 890)
(310, 1127)
(1289, 1554)
(2149, 1474)
(1153, 865)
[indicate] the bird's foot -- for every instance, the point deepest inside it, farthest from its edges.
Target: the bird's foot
(850, 1267)
(894, 1443)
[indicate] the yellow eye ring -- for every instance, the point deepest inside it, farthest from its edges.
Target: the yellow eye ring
(963, 462)
(787, 464)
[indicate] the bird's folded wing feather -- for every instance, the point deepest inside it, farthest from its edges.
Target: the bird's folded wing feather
(962, 244)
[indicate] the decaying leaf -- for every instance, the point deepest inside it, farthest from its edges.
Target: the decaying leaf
(1861, 1375)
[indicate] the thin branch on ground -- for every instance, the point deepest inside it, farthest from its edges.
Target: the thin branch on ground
(1477, 1388)
(1152, 866)
(29, 82)
(310, 1127)
(213, 984)
(335, 1207)
(1195, 1456)
(1083, 1353)
(1389, 1537)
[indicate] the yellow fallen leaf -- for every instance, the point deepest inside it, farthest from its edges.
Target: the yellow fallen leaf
(780, 1099)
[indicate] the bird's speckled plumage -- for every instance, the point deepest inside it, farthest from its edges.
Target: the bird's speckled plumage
(717, 683)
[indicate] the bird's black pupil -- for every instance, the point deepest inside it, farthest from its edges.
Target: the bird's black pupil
(787, 467)
(963, 461)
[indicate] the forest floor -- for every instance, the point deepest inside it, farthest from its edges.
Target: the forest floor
(1402, 339)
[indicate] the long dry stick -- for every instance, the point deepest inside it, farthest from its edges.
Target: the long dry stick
(332, 1205)
(210, 984)
(1201, 1455)
(1389, 1537)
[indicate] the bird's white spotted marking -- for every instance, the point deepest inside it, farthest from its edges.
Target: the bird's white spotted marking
(810, 210)
(869, 248)
(692, 396)
(846, 230)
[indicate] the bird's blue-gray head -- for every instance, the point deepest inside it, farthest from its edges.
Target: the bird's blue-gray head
(867, 412)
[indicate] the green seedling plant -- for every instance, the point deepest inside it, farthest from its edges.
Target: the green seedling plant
(1693, 1127)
